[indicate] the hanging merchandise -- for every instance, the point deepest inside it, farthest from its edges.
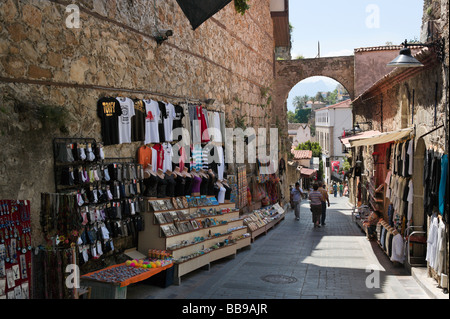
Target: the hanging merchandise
(144, 156)
(157, 157)
(399, 185)
(168, 155)
(151, 121)
(138, 122)
(434, 182)
(51, 275)
(127, 106)
(195, 120)
(15, 249)
(162, 121)
(109, 111)
(242, 186)
(168, 121)
(98, 199)
(178, 120)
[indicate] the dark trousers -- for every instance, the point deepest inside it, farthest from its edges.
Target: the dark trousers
(324, 213)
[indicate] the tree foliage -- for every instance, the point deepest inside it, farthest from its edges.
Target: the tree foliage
(311, 146)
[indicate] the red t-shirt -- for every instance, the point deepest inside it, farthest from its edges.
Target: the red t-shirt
(203, 126)
(160, 155)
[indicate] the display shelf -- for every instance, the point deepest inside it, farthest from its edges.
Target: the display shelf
(262, 220)
(215, 232)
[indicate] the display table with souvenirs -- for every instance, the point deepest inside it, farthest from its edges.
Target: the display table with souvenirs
(196, 230)
(260, 221)
(112, 282)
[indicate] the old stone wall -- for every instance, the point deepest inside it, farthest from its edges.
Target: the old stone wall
(51, 76)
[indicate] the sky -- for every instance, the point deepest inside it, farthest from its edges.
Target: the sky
(342, 26)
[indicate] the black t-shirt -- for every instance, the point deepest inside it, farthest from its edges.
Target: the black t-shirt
(177, 121)
(109, 110)
(138, 122)
(163, 115)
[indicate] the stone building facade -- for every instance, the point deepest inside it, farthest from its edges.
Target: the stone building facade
(414, 98)
(51, 75)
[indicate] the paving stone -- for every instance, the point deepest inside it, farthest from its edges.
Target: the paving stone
(328, 263)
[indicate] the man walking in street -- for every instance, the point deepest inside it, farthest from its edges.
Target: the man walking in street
(325, 199)
(316, 199)
(296, 198)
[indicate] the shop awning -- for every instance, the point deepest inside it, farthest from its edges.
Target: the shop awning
(198, 11)
(346, 140)
(307, 172)
(383, 138)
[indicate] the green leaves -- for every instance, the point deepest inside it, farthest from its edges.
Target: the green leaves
(241, 6)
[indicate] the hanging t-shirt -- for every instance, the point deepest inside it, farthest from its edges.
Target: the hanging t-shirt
(158, 149)
(168, 155)
(168, 122)
(216, 118)
(127, 106)
(221, 164)
(109, 110)
(411, 159)
(138, 122)
(195, 125)
(144, 156)
(203, 126)
(151, 121)
(179, 115)
(161, 121)
(197, 157)
(410, 199)
(397, 249)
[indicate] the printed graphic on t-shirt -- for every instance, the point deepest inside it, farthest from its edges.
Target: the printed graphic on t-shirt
(125, 119)
(150, 116)
(139, 106)
(109, 108)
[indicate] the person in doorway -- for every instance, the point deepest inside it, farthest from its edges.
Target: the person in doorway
(316, 199)
(335, 189)
(296, 198)
(326, 199)
(341, 189)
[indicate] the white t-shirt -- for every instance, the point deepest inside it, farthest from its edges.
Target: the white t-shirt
(151, 121)
(398, 253)
(218, 138)
(411, 159)
(127, 106)
(168, 154)
(221, 164)
(410, 199)
(168, 122)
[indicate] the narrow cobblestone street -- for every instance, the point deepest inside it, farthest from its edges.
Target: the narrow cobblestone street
(297, 261)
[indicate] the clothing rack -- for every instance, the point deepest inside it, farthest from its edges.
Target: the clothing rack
(435, 129)
(67, 140)
(119, 159)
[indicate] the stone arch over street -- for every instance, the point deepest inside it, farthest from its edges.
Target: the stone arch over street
(291, 72)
